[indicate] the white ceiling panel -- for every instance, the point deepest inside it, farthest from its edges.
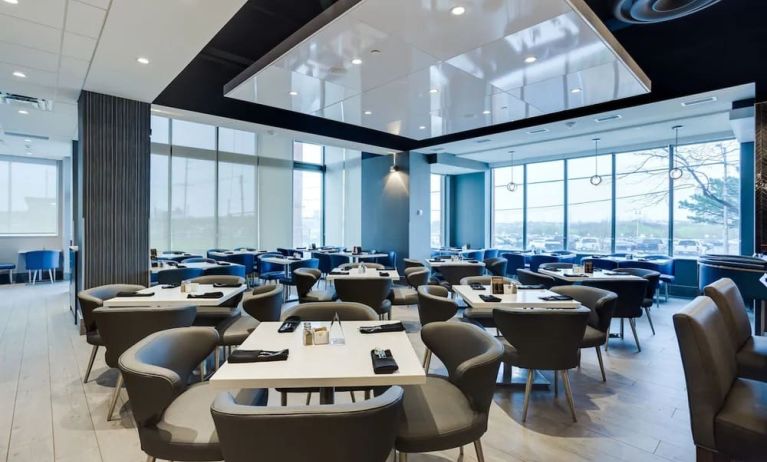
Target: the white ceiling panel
(44, 12)
(84, 19)
(34, 77)
(78, 46)
(103, 4)
(29, 34)
(28, 58)
(422, 71)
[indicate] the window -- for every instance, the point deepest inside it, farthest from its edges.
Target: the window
(307, 208)
(308, 153)
(545, 205)
(589, 207)
(159, 218)
(29, 197)
(508, 213)
(436, 211)
(707, 199)
(237, 165)
(193, 135)
(193, 200)
(642, 201)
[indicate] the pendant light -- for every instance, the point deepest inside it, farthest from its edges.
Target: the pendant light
(596, 179)
(675, 173)
(511, 186)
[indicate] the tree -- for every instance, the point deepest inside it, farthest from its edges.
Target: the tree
(708, 206)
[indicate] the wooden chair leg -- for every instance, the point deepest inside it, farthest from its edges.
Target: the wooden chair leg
(480, 453)
(649, 318)
(528, 389)
(115, 395)
(601, 364)
(569, 393)
(90, 363)
(633, 324)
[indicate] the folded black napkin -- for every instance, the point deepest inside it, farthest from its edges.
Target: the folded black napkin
(133, 294)
(395, 327)
(388, 268)
(170, 286)
(576, 275)
(477, 286)
(384, 362)
(229, 252)
(181, 266)
(293, 258)
(257, 356)
(490, 298)
(207, 295)
(383, 273)
(289, 325)
(224, 263)
(530, 286)
(473, 261)
(226, 284)
(556, 298)
(339, 273)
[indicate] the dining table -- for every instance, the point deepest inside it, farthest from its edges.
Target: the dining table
(438, 263)
(567, 275)
(285, 262)
(356, 257)
(171, 296)
(359, 273)
(203, 265)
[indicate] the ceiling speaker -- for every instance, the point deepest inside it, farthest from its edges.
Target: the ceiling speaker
(652, 11)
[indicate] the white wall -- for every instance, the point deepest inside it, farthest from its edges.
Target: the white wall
(342, 196)
(275, 191)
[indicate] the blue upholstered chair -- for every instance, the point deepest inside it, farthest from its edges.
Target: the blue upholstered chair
(227, 270)
(176, 275)
(37, 261)
(515, 262)
(491, 253)
(288, 280)
(390, 260)
(744, 271)
(536, 260)
(565, 256)
(325, 262)
(248, 260)
(474, 255)
(210, 251)
(269, 271)
(199, 260)
(338, 260)
(8, 267)
(601, 263)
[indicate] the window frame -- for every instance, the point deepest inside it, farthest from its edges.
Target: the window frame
(59, 193)
(310, 167)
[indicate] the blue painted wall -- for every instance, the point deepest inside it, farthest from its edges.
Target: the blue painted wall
(747, 196)
(468, 210)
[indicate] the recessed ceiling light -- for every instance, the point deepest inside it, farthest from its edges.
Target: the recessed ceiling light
(19, 74)
(696, 102)
(458, 10)
(27, 140)
(356, 61)
(531, 59)
(537, 131)
(368, 112)
(575, 91)
(486, 112)
(600, 120)
(433, 91)
(12, 2)
(23, 112)
(293, 93)
(422, 127)
(142, 60)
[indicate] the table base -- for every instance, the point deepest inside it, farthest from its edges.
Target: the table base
(327, 395)
(512, 377)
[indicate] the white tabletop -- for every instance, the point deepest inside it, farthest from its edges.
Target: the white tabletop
(283, 260)
(370, 273)
(322, 365)
(174, 297)
(448, 262)
(200, 264)
(237, 252)
(595, 276)
(359, 255)
(526, 298)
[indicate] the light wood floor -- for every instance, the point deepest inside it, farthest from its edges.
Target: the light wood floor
(47, 413)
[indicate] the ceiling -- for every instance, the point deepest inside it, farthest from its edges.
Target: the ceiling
(418, 70)
(64, 46)
(692, 55)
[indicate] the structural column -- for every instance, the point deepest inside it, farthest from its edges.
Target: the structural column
(760, 163)
(113, 190)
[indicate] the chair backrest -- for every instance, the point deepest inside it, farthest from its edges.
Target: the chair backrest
(337, 261)
(389, 260)
(491, 253)
(546, 339)
(454, 273)
(600, 302)
(710, 367)
(473, 255)
(218, 279)
(730, 303)
(121, 328)
(514, 262)
(213, 257)
(536, 260)
(496, 266)
(198, 260)
(41, 259)
(350, 432)
(325, 265)
(368, 291)
(435, 304)
(176, 275)
(417, 276)
(348, 266)
(308, 263)
(631, 295)
(556, 266)
(264, 303)
(93, 298)
(652, 277)
(226, 270)
(602, 263)
(265, 266)
(157, 369)
(471, 357)
(248, 260)
(484, 280)
(529, 277)
(326, 311)
(413, 263)
(305, 278)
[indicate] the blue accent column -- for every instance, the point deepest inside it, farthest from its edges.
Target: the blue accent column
(747, 205)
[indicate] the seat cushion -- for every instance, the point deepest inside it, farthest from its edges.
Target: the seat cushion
(233, 331)
(216, 312)
(7, 266)
(740, 428)
(592, 338)
(186, 430)
(404, 296)
(319, 296)
(437, 416)
(667, 278)
(752, 359)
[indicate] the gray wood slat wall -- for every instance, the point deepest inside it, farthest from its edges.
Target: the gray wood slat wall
(114, 151)
(760, 160)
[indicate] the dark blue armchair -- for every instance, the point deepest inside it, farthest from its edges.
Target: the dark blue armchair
(38, 261)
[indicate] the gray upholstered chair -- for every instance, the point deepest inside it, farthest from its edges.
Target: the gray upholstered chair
(484, 280)
(496, 266)
(173, 418)
(415, 277)
(348, 266)
(305, 279)
(212, 316)
(363, 431)
(543, 339)
(651, 290)
(93, 298)
(449, 412)
(481, 317)
(728, 414)
(413, 263)
(602, 304)
(527, 277)
(631, 296)
(121, 328)
(373, 292)
(452, 274)
(751, 351)
(434, 305)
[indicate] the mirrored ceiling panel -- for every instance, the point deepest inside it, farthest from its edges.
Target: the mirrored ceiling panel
(422, 69)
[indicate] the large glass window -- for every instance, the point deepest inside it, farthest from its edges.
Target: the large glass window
(642, 201)
(545, 205)
(508, 208)
(193, 200)
(29, 197)
(589, 206)
(707, 199)
(308, 153)
(307, 208)
(436, 211)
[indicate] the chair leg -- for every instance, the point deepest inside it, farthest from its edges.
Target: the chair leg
(569, 393)
(354, 398)
(367, 395)
(601, 364)
(90, 363)
(115, 395)
(649, 318)
(427, 360)
(633, 324)
(50, 275)
(308, 399)
(621, 327)
(528, 389)
(283, 399)
(150, 459)
(556, 385)
(460, 453)
(402, 456)
(478, 448)
(203, 370)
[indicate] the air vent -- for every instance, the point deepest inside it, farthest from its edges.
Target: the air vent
(26, 101)
(600, 120)
(483, 140)
(538, 131)
(696, 102)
